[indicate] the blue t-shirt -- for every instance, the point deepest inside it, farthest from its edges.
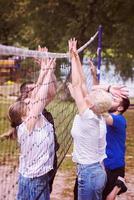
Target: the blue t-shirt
(116, 138)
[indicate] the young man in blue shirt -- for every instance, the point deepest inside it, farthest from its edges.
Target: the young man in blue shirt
(116, 143)
(115, 150)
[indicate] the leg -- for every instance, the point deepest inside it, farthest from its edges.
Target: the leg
(76, 189)
(99, 182)
(91, 181)
(120, 183)
(23, 188)
(39, 188)
(84, 179)
(113, 193)
(112, 188)
(109, 184)
(118, 189)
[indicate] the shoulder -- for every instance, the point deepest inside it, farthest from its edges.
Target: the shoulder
(118, 117)
(88, 114)
(22, 132)
(22, 128)
(118, 120)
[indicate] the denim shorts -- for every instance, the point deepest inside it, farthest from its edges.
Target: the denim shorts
(91, 181)
(33, 188)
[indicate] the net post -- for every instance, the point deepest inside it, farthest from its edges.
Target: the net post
(99, 50)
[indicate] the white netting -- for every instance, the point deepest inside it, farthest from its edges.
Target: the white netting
(62, 108)
(9, 50)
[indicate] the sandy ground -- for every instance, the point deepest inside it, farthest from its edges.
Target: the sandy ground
(62, 188)
(8, 183)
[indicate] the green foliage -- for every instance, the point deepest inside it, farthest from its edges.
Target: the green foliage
(12, 20)
(52, 22)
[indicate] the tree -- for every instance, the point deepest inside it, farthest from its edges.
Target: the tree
(12, 15)
(52, 22)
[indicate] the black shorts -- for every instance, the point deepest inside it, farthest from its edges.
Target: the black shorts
(112, 176)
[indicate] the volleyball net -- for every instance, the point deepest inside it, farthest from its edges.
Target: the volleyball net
(17, 65)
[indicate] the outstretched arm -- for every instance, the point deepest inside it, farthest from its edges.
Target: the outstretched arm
(78, 87)
(78, 77)
(93, 73)
(115, 90)
(38, 102)
(44, 69)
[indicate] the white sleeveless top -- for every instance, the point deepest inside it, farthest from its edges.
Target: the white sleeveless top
(36, 150)
(89, 138)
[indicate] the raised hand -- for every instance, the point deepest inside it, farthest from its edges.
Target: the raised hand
(72, 43)
(44, 62)
(92, 68)
(38, 60)
(119, 91)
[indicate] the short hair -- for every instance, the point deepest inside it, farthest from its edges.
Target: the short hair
(125, 103)
(102, 100)
(23, 86)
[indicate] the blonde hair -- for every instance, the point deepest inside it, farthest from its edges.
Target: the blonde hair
(15, 113)
(102, 100)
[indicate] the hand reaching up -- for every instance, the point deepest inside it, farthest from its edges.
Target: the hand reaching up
(119, 91)
(92, 68)
(72, 44)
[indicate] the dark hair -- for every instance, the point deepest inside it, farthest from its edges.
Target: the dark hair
(24, 90)
(23, 86)
(15, 113)
(125, 104)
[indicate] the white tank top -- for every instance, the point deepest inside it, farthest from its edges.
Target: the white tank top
(86, 134)
(36, 150)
